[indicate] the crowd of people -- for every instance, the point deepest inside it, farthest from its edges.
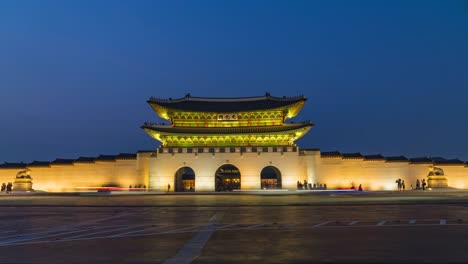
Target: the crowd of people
(310, 186)
(7, 188)
(420, 185)
(137, 187)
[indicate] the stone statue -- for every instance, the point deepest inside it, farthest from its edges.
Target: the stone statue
(24, 174)
(434, 171)
(436, 178)
(23, 181)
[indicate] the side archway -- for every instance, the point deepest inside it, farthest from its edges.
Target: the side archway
(227, 178)
(270, 178)
(184, 180)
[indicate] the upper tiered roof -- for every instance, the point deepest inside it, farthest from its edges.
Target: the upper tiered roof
(212, 104)
(236, 104)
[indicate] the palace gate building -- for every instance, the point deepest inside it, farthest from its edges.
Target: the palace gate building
(229, 144)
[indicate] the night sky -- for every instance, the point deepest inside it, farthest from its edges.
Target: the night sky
(387, 77)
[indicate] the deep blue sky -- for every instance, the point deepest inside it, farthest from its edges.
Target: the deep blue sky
(383, 77)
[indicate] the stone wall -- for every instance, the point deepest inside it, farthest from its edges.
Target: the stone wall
(79, 176)
(338, 172)
(157, 170)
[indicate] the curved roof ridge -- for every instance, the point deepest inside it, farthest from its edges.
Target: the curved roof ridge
(228, 130)
(227, 105)
(289, 124)
(188, 97)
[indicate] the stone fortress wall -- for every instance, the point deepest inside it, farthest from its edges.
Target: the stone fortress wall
(73, 175)
(379, 173)
(157, 169)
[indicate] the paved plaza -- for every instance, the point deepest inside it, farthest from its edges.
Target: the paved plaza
(409, 227)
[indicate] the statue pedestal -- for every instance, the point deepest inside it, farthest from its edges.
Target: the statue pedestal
(22, 185)
(437, 181)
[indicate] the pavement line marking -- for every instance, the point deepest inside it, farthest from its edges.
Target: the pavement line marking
(254, 226)
(93, 221)
(25, 237)
(412, 222)
(138, 231)
(224, 226)
(9, 231)
(192, 249)
(100, 232)
(216, 217)
(40, 237)
(353, 223)
(212, 230)
(68, 227)
(321, 224)
(36, 233)
(443, 222)
(381, 223)
(37, 228)
(30, 237)
(181, 229)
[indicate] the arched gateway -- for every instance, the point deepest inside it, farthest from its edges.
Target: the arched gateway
(270, 178)
(184, 180)
(227, 178)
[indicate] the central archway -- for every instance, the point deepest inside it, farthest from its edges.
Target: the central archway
(227, 178)
(270, 178)
(184, 180)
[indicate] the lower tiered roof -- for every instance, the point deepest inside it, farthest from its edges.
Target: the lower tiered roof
(279, 135)
(227, 130)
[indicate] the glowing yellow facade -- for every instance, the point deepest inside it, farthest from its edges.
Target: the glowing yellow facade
(219, 144)
(227, 122)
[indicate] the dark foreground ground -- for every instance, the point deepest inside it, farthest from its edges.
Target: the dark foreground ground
(389, 227)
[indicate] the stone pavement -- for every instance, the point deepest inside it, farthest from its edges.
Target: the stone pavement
(382, 228)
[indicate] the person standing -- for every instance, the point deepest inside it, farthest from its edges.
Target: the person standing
(168, 187)
(424, 184)
(8, 187)
(418, 184)
(398, 182)
(3, 187)
(403, 185)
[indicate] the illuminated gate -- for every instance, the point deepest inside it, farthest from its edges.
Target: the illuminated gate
(270, 178)
(184, 180)
(227, 178)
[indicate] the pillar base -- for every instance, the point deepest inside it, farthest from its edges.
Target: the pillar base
(22, 184)
(437, 181)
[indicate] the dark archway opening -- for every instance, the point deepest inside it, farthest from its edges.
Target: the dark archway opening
(227, 178)
(184, 180)
(270, 178)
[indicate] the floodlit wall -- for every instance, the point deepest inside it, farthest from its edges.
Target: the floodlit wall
(80, 176)
(339, 172)
(164, 166)
(157, 170)
(457, 175)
